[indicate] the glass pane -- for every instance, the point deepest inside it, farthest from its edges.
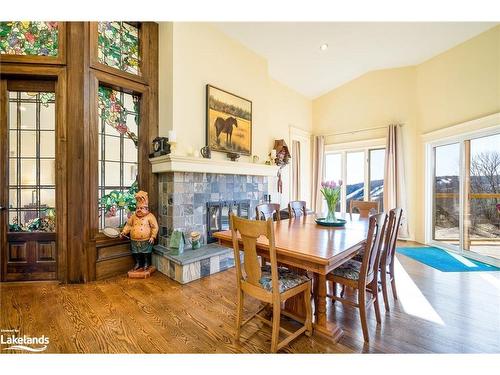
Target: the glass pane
(47, 198)
(118, 46)
(129, 174)
(48, 117)
(112, 173)
(446, 194)
(129, 151)
(13, 115)
(28, 198)
(28, 115)
(27, 216)
(377, 166)
(13, 172)
(355, 176)
(47, 144)
(28, 144)
(47, 172)
(483, 221)
(38, 38)
(333, 172)
(12, 198)
(112, 148)
(13, 143)
(28, 172)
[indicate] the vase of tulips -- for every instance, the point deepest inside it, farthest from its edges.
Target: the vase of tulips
(331, 192)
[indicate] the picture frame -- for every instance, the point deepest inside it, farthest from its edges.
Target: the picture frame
(228, 122)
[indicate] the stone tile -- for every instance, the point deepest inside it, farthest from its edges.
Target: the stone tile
(205, 267)
(214, 264)
(190, 272)
(179, 187)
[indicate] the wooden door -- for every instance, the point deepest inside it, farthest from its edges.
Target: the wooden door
(28, 180)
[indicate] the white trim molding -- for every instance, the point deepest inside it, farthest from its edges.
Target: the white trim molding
(174, 163)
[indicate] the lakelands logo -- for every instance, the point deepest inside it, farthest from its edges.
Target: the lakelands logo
(12, 338)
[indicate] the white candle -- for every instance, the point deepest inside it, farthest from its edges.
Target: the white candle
(172, 137)
(273, 154)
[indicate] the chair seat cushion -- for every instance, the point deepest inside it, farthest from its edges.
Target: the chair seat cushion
(348, 270)
(287, 279)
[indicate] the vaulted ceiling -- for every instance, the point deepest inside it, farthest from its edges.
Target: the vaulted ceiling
(354, 48)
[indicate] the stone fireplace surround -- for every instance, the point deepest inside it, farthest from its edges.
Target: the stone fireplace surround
(183, 198)
(186, 184)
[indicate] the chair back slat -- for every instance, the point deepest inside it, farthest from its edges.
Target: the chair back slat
(365, 208)
(249, 232)
(296, 208)
(371, 257)
(391, 237)
(266, 211)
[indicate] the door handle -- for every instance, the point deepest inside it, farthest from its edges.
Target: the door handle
(2, 208)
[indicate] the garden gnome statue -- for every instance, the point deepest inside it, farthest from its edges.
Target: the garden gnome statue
(143, 228)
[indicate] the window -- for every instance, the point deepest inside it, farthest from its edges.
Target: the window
(118, 46)
(355, 177)
(29, 38)
(377, 167)
(118, 155)
(361, 170)
(333, 170)
(31, 162)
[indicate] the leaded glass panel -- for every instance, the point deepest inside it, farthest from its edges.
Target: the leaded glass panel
(31, 163)
(118, 156)
(37, 38)
(118, 46)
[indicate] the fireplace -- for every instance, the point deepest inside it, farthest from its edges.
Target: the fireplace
(218, 215)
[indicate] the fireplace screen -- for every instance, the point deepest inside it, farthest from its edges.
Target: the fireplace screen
(218, 215)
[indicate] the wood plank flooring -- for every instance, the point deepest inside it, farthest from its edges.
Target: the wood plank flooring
(436, 313)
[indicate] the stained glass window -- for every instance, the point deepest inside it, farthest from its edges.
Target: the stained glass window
(118, 155)
(31, 142)
(118, 46)
(29, 38)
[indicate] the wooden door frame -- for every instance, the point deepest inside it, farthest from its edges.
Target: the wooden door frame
(57, 74)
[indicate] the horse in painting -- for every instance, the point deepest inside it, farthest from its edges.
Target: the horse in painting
(225, 126)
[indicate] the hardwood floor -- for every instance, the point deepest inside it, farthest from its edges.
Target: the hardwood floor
(437, 313)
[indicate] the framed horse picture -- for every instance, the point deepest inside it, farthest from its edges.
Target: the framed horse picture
(229, 122)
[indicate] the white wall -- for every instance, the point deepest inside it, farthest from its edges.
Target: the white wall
(193, 55)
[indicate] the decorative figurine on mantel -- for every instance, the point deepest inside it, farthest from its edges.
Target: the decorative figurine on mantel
(143, 229)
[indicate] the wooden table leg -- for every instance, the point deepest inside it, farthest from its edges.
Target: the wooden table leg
(321, 324)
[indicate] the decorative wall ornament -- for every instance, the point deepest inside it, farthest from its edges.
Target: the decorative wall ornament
(37, 38)
(282, 159)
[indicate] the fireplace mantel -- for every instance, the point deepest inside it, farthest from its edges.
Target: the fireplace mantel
(175, 163)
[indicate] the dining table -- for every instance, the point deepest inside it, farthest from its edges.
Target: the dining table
(305, 246)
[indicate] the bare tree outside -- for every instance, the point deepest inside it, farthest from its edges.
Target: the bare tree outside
(485, 179)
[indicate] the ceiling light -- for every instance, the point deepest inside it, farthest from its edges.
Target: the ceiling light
(323, 47)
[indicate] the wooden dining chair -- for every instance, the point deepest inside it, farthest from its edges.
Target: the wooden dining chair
(387, 257)
(363, 276)
(266, 211)
(365, 208)
(270, 284)
(296, 208)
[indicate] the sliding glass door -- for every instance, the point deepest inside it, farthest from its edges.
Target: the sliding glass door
(465, 195)
(482, 205)
(446, 195)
